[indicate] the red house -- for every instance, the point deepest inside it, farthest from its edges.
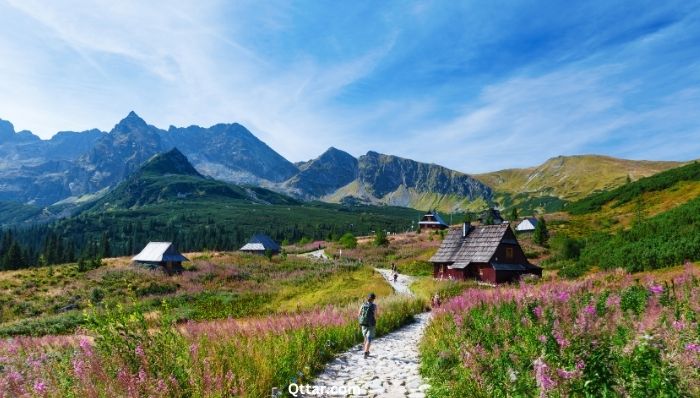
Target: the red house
(489, 253)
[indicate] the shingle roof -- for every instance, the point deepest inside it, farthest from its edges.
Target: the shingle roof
(156, 252)
(261, 242)
(478, 247)
(438, 220)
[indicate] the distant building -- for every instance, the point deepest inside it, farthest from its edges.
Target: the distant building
(527, 225)
(491, 216)
(261, 244)
(161, 254)
(432, 220)
(489, 253)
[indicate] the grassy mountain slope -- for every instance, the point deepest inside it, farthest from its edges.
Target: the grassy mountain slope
(619, 208)
(572, 177)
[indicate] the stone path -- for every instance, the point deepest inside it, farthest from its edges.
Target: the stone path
(319, 254)
(392, 368)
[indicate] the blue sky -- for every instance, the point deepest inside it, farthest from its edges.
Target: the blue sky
(475, 86)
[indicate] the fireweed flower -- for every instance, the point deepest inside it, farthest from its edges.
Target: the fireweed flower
(563, 296)
(656, 289)
(538, 312)
(544, 381)
(40, 387)
(692, 347)
(678, 325)
(613, 301)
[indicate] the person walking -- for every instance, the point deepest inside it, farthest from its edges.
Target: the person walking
(367, 317)
(396, 276)
(436, 300)
(393, 267)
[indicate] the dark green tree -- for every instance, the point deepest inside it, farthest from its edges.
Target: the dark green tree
(106, 248)
(380, 238)
(514, 214)
(541, 235)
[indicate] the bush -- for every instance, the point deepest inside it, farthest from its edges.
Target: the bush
(348, 241)
(380, 238)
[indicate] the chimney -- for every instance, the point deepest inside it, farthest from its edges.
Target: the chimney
(465, 229)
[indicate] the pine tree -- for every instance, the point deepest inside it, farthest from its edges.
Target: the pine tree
(106, 249)
(514, 214)
(13, 258)
(541, 235)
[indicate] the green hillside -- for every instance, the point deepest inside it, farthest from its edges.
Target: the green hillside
(634, 190)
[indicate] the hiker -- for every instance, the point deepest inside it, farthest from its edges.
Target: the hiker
(368, 320)
(393, 267)
(436, 300)
(396, 276)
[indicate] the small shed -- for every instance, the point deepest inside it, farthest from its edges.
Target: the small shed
(161, 254)
(432, 220)
(261, 244)
(491, 216)
(527, 225)
(489, 253)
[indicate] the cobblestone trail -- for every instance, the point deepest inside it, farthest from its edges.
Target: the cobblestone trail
(392, 368)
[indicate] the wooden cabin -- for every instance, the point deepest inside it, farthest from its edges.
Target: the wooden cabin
(161, 255)
(432, 221)
(491, 216)
(261, 244)
(488, 253)
(527, 225)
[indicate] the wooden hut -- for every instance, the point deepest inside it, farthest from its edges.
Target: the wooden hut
(432, 221)
(161, 255)
(261, 244)
(527, 225)
(489, 253)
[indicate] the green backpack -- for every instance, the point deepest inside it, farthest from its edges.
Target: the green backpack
(366, 317)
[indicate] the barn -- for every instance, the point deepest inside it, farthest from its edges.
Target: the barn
(489, 253)
(527, 225)
(161, 255)
(431, 221)
(261, 244)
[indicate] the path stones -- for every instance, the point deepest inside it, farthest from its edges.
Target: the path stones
(392, 369)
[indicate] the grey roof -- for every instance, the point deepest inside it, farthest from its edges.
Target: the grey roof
(156, 252)
(479, 245)
(436, 216)
(261, 242)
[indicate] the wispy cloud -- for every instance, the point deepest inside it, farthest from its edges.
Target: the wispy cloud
(489, 86)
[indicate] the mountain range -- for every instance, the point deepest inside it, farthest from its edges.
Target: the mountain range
(83, 166)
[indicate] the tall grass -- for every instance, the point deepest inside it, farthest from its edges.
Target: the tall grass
(607, 335)
(123, 354)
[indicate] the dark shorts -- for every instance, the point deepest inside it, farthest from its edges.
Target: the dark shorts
(368, 332)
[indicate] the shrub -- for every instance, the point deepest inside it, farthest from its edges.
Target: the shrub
(348, 241)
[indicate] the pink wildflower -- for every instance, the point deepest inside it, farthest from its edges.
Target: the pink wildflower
(613, 301)
(568, 374)
(563, 296)
(542, 338)
(39, 387)
(678, 325)
(79, 367)
(590, 309)
(538, 312)
(139, 351)
(656, 289)
(692, 347)
(544, 381)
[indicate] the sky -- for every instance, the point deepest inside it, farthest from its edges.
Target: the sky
(472, 85)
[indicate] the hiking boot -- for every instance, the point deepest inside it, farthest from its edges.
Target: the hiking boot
(366, 354)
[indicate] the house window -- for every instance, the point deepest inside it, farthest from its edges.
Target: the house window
(509, 253)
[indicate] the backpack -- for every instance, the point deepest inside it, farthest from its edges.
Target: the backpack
(366, 317)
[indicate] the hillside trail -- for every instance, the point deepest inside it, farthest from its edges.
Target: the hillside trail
(392, 369)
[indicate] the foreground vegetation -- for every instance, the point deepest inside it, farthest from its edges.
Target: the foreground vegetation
(611, 334)
(122, 354)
